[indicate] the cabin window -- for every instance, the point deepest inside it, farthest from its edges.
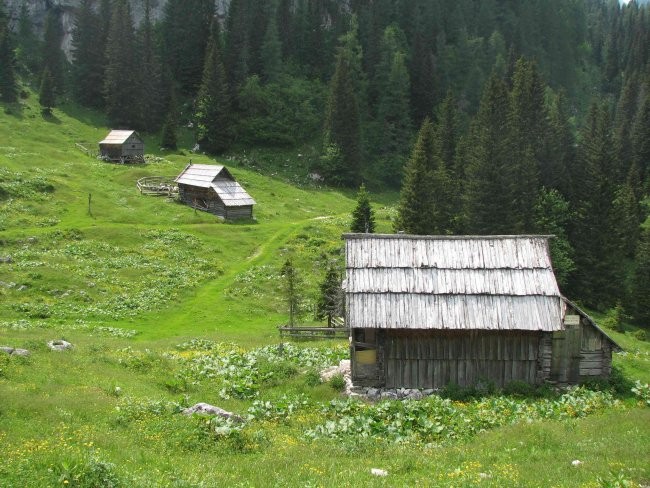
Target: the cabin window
(132, 146)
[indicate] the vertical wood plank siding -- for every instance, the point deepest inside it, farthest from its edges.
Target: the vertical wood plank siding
(417, 359)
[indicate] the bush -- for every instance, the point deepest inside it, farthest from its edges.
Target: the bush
(640, 335)
(88, 473)
(312, 378)
(519, 389)
(614, 319)
(337, 382)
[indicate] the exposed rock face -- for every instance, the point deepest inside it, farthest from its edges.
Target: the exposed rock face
(67, 10)
(207, 409)
(59, 345)
(12, 351)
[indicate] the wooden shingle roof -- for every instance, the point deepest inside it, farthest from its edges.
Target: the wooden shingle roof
(117, 136)
(217, 177)
(444, 282)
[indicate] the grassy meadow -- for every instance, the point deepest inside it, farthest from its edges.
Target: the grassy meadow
(167, 307)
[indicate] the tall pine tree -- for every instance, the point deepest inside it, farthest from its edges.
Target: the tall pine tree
(88, 52)
(8, 80)
(213, 109)
(52, 55)
(342, 125)
(122, 89)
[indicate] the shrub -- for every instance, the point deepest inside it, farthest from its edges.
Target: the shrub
(312, 378)
(640, 335)
(519, 389)
(642, 391)
(88, 473)
(337, 382)
(614, 318)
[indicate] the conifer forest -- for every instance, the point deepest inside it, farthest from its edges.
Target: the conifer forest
(488, 116)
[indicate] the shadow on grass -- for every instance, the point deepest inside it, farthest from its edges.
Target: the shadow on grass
(49, 117)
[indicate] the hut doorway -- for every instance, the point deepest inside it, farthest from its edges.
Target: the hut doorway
(565, 359)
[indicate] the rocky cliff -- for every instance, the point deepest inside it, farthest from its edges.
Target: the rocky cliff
(67, 10)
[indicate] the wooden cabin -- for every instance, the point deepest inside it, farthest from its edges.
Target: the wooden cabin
(212, 188)
(124, 146)
(427, 311)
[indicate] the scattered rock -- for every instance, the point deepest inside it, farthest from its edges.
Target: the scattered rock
(12, 351)
(22, 288)
(59, 345)
(378, 472)
(207, 409)
(389, 395)
(5, 259)
(576, 463)
(344, 369)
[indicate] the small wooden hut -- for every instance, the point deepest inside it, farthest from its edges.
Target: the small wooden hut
(213, 189)
(427, 311)
(124, 146)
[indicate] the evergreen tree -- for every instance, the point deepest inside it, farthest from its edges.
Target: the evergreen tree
(330, 300)
(415, 211)
(342, 126)
(52, 56)
(626, 220)
(29, 48)
(487, 202)
(237, 52)
(552, 217)
(363, 216)
(394, 120)
(88, 52)
(186, 30)
(8, 81)
(448, 131)
(47, 96)
(561, 152)
(170, 127)
(641, 282)
(291, 286)
(121, 83)
(151, 83)
(425, 82)
(271, 51)
(527, 132)
(213, 111)
(599, 256)
(640, 139)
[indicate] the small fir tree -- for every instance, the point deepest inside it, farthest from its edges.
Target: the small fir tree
(52, 56)
(272, 51)
(330, 299)
(47, 96)
(291, 286)
(363, 216)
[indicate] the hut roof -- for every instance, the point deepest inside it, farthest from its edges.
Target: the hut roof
(451, 282)
(217, 177)
(118, 136)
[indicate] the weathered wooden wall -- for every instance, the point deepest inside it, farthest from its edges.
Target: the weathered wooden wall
(206, 199)
(420, 359)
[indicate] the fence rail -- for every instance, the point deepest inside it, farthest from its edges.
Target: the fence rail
(314, 332)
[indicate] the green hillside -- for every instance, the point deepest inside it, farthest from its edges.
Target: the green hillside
(167, 307)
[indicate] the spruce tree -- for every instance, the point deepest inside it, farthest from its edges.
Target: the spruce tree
(122, 89)
(552, 217)
(487, 203)
(88, 52)
(330, 300)
(363, 216)
(151, 83)
(28, 44)
(415, 211)
(561, 151)
(271, 51)
(8, 80)
(47, 96)
(237, 52)
(213, 110)
(394, 120)
(291, 287)
(342, 126)
(170, 127)
(52, 55)
(641, 282)
(528, 132)
(640, 139)
(185, 34)
(599, 256)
